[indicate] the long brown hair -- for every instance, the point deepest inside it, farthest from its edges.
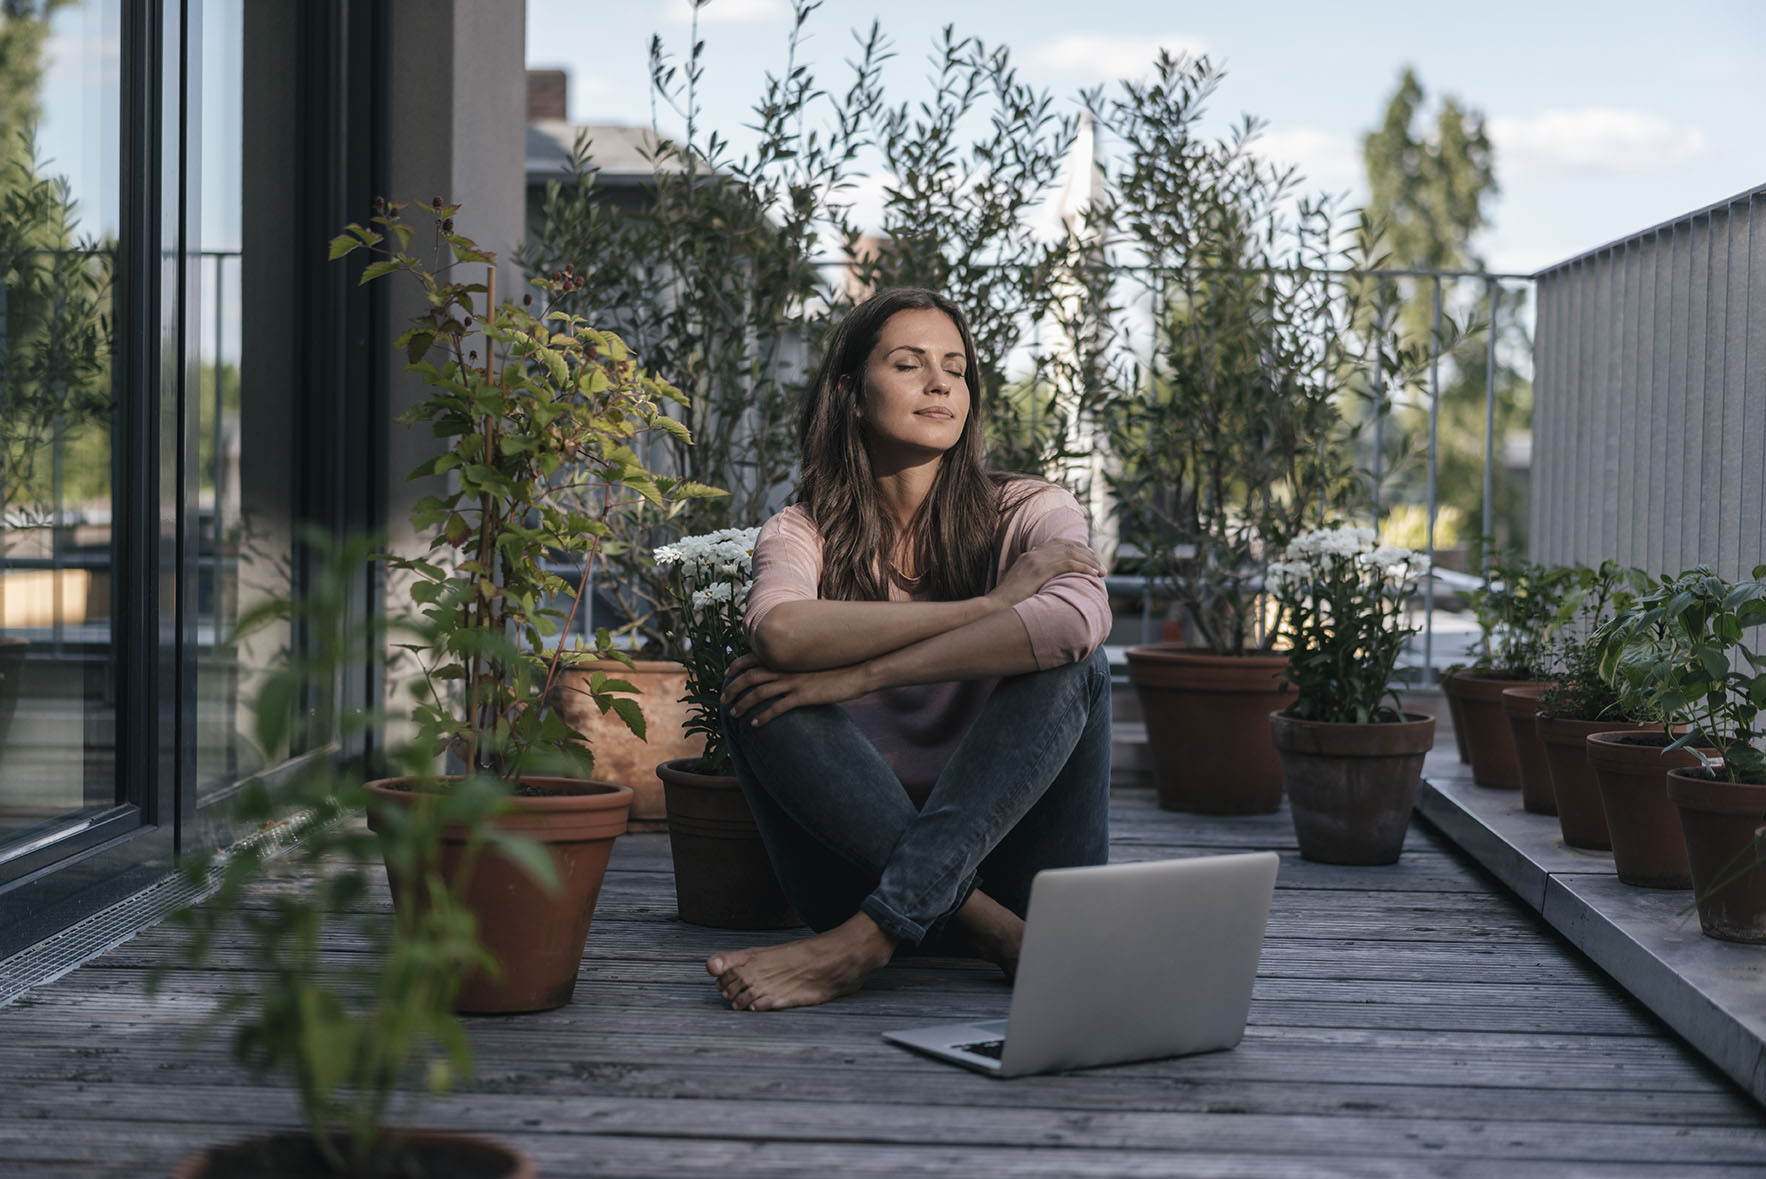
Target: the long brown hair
(954, 529)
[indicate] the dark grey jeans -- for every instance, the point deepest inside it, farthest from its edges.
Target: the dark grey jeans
(1027, 788)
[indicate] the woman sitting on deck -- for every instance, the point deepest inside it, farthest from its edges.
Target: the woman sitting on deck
(925, 721)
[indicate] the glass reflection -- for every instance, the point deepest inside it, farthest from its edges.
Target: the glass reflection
(59, 173)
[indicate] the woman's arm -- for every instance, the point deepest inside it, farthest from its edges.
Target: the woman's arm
(994, 645)
(812, 634)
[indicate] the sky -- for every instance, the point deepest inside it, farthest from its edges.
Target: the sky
(1607, 118)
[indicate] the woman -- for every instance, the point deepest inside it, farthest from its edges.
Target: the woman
(924, 723)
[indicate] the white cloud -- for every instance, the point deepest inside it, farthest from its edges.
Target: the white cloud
(729, 12)
(1592, 141)
(1100, 56)
(1326, 159)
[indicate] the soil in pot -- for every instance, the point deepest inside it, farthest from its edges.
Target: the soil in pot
(620, 754)
(432, 1154)
(723, 878)
(1726, 851)
(1207, 720)
(1520, 706)
(1489, 743)
(1351, 786)
(536, 935)
(1630, 773)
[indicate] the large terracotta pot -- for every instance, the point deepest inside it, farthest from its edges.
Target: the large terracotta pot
(620, 754)
(1351, 786)
(1726, 850)
(1519, 708)
(1489, 743)
(1207, 727)
(723, 878)
(535, 935)
(1630, 771)
(292, 1155)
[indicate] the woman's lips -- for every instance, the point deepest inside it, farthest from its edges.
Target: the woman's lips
(934, 413)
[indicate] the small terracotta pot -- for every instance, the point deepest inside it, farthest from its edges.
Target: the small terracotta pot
(535, 935)
(1456, 714)
(1351, 786)
(723, 878)
(1519, 707)
(1489, 741)
(1581, 817)
(1630, 769)
(620, 754)
(293, 1154)
(1207, 727)
(1725, 825)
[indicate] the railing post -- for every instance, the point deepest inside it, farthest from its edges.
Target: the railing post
(1491, 291)
(1434, 435)
(1379, 393)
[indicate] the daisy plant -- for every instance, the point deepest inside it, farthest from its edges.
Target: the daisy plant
(1347, 617)
(709, 576)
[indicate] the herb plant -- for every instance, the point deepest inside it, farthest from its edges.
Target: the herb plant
(1682, 650)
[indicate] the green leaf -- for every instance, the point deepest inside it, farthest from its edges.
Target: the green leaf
(630, 712)
(375, 269)
(343, 244)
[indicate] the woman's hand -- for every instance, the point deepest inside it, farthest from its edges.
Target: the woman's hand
(758, 693)
(1030, 572)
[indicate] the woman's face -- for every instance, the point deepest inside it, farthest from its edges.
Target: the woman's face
(915, 398)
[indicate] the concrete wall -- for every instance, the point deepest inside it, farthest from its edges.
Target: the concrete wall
(1650, 397)
(456, 111)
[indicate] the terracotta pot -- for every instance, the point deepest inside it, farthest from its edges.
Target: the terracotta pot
(536, 936)
(1726, 850)
(1630, 770)
(1207, 727)
(620, 754)
(1457, 715)
(12, 670)
(1489, 743)
(1519, 707)
(421, 1152)
(723, 878)
(1351, 786)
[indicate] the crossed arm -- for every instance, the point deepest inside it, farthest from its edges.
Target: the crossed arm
(820, 652)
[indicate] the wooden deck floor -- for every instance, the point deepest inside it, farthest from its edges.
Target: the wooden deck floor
(1408, 1021)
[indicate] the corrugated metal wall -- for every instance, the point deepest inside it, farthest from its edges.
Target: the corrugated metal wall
(1649, 419)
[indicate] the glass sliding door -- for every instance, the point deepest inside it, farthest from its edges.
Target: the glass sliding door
(60, 223)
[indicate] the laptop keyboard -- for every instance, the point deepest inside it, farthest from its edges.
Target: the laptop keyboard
(990, 1048)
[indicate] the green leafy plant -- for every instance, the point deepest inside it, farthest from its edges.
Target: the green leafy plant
(1680, 649)
(1519, 608)
(711, 575)
(544, 416)
(360, 1035)
(1578, 691)
(1347, 617)
(1233, 440)
(713, 279)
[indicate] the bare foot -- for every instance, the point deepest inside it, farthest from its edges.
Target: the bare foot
(996, 931)
(802, 973)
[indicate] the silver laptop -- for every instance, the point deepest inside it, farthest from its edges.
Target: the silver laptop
(1123, 962)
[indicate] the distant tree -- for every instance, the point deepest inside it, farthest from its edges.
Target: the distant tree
(1430, 188)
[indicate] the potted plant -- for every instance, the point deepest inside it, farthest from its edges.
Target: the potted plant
(362, 1034)
(1350, 761)
(1517, 608)
(1604, 755)
(723, 877)
(1682, 647)
(543, 416)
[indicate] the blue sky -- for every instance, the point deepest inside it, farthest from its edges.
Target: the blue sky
(1607, 117)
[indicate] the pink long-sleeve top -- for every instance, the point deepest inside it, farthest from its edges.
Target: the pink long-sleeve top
(916, 728)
